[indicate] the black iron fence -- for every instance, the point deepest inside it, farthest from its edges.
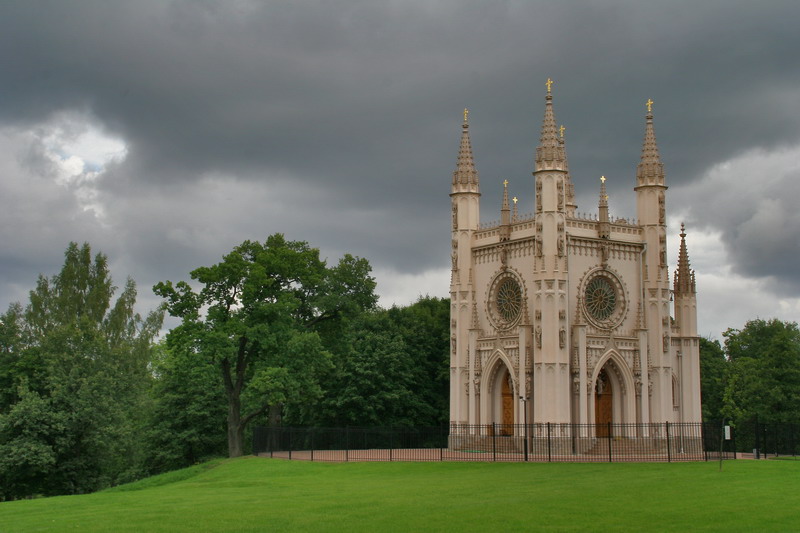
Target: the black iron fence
(545, 442)
(764, 440)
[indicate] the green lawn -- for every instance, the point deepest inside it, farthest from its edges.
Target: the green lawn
(254, 494)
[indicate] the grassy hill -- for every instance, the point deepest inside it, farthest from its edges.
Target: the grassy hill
(254, 494)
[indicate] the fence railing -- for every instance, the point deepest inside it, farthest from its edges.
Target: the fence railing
(544, 442)
(767, 439)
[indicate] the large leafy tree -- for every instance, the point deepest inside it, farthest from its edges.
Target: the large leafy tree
(74, 367)
(391, 369)
(764, 375)
(258, 317)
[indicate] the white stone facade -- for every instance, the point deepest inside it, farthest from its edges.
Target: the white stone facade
(569, 318)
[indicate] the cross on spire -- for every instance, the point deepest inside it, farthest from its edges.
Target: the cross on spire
(561, 130)
(649, 104)
(549, 83)
(466, 114)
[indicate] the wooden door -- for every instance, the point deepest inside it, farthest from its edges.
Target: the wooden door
(603, 404)
(508, 409)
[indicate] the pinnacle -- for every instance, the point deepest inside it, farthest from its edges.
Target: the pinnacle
(465, 174)
(684, 282)
(650, 170)
(550, 152)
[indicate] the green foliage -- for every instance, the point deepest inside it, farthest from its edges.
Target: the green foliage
(391, 369)
(764, 372)
(258, 317)
(713, 368)
(252, 494)
(187, 420)
(75, 374)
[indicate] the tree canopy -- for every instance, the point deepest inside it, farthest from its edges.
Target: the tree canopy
(258, 317)
(74, 373)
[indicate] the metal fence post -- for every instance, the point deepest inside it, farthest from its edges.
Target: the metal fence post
(610, 456)
(494, 444)
(669, 452)
(549, 451)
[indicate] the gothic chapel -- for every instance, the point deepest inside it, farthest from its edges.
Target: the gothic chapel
(564, 318)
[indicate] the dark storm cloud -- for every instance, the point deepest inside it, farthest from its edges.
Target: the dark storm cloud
(349, 111)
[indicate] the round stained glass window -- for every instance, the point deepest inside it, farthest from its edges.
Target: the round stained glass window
(509, 300)
(601, 298)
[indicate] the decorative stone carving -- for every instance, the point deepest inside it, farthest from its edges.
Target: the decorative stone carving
(562, 337)
(538, 337)
(455, 216)
(538, 195)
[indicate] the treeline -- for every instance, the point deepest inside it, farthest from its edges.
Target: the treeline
(90, 397)
(753, 374)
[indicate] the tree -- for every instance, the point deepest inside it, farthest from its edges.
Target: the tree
(764, 377)
(391, 369)
(187, 420)
(257, 318)
(74, 366)
(713, 375)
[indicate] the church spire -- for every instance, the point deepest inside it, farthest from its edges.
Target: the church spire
(650, 170)
(684, 277)
(550, 152)
(505, 215)
(465, 176)
(604, 227)
(570, 192)
(505, 209)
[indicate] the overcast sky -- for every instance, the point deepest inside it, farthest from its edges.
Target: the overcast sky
(164, 133)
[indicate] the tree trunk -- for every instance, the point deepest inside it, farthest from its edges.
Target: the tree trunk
(275, 415)
(235, 429)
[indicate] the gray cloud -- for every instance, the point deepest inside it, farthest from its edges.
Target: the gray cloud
(338, 122)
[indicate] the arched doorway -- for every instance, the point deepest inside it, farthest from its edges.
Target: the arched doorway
(603, 403)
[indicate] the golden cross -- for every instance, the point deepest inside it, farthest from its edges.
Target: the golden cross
(549, 83)
(649, 105)
(505, 183)
(603, 179)
(561, 130)
(466, 113)
(514, 199)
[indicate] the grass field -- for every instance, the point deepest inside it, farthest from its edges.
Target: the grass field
(255, 494)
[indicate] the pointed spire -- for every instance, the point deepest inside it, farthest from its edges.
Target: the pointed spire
(505, 214)
(465, 177)
(684, 282)
(550, 152)
(570, 192)
(515, 215)
(650, 170)
(604, 227)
